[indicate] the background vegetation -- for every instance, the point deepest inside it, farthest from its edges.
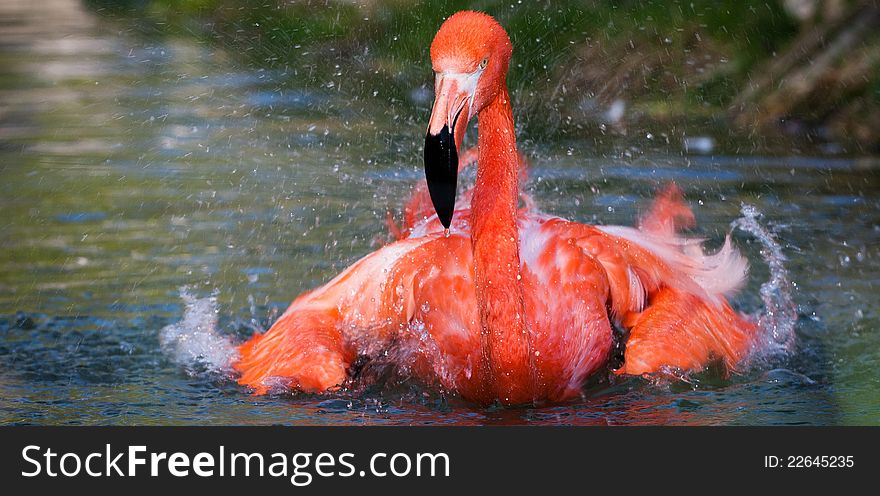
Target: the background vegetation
(807, 68)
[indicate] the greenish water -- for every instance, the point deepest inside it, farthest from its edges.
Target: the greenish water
(132, 165)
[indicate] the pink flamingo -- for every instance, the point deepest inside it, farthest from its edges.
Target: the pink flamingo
(501, 303)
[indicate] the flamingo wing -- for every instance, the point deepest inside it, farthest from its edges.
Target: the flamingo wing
(396, 296)
(667, 292)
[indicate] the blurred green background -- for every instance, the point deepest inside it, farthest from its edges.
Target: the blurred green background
(806, 69)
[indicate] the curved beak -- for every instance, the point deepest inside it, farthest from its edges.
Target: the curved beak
(453, 102)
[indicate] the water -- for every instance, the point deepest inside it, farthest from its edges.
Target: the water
(135, 164)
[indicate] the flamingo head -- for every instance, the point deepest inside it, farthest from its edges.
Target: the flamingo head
(470, 56)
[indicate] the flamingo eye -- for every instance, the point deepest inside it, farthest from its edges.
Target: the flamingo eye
(484, 63)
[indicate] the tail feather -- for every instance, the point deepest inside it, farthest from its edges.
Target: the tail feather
(668, 214)
(712, 276)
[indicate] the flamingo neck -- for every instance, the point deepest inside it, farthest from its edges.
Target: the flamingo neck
(505, 341)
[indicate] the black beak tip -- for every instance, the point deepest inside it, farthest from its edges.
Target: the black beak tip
(441, 173)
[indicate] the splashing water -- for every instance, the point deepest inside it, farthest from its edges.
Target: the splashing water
(777, 320)
(194, 341)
